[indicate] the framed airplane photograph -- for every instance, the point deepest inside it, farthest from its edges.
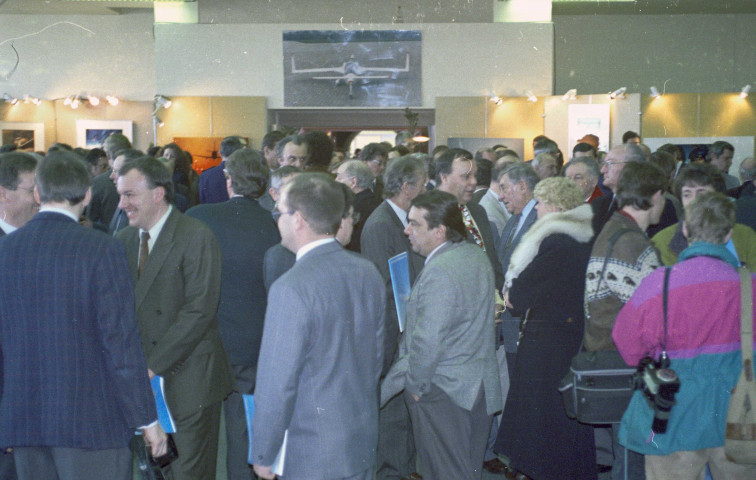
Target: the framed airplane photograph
(27, 137)
(92, 133)
(352, 68)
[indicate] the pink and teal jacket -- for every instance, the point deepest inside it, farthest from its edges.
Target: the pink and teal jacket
(703, 343)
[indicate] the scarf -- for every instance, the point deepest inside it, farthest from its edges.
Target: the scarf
(704, 249)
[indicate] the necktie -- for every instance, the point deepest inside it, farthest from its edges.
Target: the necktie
(144, 250)
(471, 227)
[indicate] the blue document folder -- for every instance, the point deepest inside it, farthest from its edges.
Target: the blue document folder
(278, 462)
(400, 284)
(164, 413)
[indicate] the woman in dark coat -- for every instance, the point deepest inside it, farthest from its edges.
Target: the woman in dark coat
(546, 281)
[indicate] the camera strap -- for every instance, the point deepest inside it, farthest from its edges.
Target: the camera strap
(664, 361)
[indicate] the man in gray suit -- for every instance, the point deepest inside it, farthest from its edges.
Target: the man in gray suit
(498, 216)
(382, 238)
(320, 358)
(447, 363)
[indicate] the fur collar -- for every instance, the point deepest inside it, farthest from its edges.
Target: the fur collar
(576, 223)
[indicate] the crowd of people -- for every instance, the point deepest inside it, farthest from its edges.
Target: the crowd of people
(395, 315)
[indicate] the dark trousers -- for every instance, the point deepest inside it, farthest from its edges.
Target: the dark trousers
(196, 440)
(237, 437)
(58, 463)
(395, 456)
(450, 440)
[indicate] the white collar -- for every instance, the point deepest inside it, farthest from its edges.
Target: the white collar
(427, 259)
(400, 212)
(307, 247)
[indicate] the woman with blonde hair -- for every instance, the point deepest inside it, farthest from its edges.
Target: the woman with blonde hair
(544, 285)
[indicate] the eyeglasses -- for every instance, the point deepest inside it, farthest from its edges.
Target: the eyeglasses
(277, 214)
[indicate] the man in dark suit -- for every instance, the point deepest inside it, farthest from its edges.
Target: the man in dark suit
(119, 220)
(245, 231)
(75, 384)
(175, 263)
(212, 183)
(320, 358)
(17, 203)
(104, 195)
(356, 175)
(447, 362)
(455, 174)
(375, 155)
(382, 238)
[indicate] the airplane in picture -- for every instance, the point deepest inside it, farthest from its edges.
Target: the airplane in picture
(351, 71)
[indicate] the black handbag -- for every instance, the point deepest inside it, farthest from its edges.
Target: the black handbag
(599, 385)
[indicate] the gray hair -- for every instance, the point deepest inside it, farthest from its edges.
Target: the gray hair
(589, 163)
(524, 172)
(360, 171)
(408, 168)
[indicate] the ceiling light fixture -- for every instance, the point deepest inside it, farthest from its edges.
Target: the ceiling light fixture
(9, 99)
(655, 92)
(570, 95)
(531, 97)
(112, 100)
(620, 92)
(93, 100)
(495, 99)
(744, 91)
(161, 101)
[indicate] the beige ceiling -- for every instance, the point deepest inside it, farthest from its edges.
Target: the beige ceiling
(571, 7)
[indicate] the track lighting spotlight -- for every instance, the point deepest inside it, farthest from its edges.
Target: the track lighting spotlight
(744, 91)
(531, 97)
(620, 92)
(9, 99)
(655, 92)
(570, 95)
(112, 100)
(495, 99)
(161, 101)
(75, 102)
(156, 121)
(93, 100)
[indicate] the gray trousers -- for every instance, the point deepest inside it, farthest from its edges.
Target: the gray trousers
(58, 463)
(450, 440)
(395, 456)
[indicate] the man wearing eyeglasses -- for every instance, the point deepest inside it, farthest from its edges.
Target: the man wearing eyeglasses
(321, 353)
(376, 157)
(603, 207)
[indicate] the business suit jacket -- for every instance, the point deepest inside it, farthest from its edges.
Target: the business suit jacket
(382, 238)
(319, 366)
(277, 261)
(498, 216)
(74, 371)
(104, 200)
(212, 185)
(244, 231)
(484, 227)
(449, 340)
(507, 247)
(176, 302)
(365, 203)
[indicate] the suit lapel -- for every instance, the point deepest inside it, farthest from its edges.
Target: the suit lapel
(158, 254)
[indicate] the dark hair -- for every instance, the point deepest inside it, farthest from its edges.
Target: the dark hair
(155, 172)
(60, 147)
(317, 196)
(229, 145)
(407, 169)
(8, 147)
(295, 139)
(400, 149)
(665, 161)
(583, 147)
(483, 173)
(320, 150)
(443, 164)
(699, 151)
(442, 208)
(545, 145)
(94, 155)
(628, 135)
(248, 172)
(129, 154)
(717, 148)
(638, 182)
(673, 150)
(271, 139)
(12, 164)
(62, 176)
(505, 152)
(699, 174)
(439, 149)
(372, 150)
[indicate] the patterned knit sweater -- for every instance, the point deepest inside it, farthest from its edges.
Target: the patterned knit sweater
(631, 259)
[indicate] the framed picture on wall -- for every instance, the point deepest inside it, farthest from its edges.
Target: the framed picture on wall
(28, 137)
(584, 119)
(352, 68)
(92, 133)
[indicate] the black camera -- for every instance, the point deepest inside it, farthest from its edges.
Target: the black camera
(660, 384)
